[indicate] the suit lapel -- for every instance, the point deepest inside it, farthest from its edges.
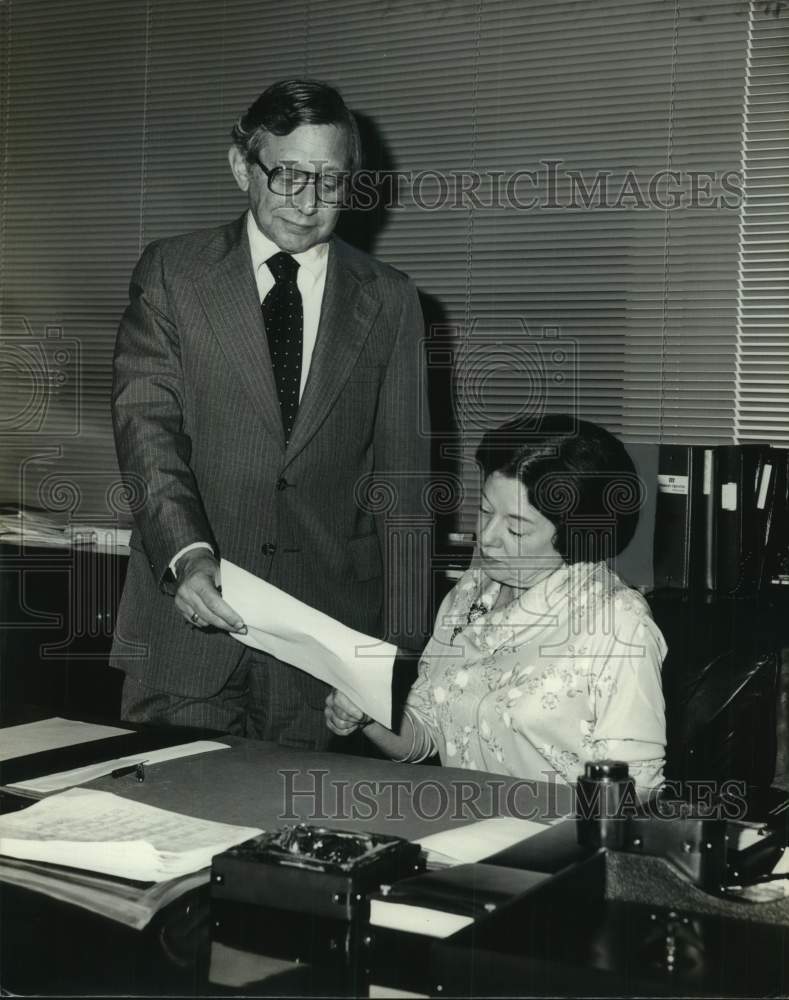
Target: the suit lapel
(229, 297)
(347, 314)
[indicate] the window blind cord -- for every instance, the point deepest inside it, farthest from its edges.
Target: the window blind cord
(667, 225)
(467, 319)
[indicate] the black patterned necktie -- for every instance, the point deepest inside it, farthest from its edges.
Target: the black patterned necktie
(283, 316)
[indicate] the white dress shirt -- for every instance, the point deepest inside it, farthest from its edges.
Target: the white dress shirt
(311, 281)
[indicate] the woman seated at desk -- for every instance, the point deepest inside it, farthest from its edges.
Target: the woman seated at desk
(541, 658)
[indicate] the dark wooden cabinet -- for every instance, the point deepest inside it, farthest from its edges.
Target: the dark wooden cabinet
(57, 613)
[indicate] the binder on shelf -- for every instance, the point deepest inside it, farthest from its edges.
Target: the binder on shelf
(766, 500)
(776, 570)
(710, 563)
(744, 492)
(684, 543)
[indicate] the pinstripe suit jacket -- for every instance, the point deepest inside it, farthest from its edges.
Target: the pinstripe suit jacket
(198, 428)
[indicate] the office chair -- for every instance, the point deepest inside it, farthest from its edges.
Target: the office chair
(720, 682)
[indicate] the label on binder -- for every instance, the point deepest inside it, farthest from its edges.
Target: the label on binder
(761, 501)
(728, 496)
(707, 489)
(672, 484)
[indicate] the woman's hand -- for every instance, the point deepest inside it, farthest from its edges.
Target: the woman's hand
(342, 716)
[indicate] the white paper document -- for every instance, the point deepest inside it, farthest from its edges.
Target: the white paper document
(79, 775)
(356, 664)
(51, 734)
(23, 528)
(466, 844)
(101, 832)
(119, 899)
(416, 919)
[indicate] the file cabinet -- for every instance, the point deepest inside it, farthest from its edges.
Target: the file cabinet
(57, 613)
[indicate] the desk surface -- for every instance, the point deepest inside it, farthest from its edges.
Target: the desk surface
(49, 948)
(266, 785)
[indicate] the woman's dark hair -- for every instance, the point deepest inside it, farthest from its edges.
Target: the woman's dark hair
(286, 105)
(577, 475)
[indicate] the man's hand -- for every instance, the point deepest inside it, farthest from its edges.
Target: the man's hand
(198, 597)
(342, 716)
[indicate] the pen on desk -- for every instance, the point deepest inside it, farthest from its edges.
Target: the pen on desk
(138, 768)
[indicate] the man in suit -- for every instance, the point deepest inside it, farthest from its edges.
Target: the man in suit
(264, 372)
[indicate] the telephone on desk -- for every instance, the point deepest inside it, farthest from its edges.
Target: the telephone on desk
(650, 898)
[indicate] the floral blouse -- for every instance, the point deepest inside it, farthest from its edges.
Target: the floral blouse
(567, 672)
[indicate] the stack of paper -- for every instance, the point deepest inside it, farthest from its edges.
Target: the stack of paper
(101, 832)
(476, 841)
(126, 902)
(26, 527)
(38, 523)
(52, 734)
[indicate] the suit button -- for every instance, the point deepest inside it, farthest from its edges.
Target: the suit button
(268, 548)
(282, 484)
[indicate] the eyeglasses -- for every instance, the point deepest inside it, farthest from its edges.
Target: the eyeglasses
(329, 188)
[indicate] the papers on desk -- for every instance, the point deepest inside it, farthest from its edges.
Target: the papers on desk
(440, 903)
(776, 884)
(51, 734)
(782, 868)
(89, 772)
(126, 902)
(49, 529)
(414, 919)
(354, 663)
(457, 892)
(465, 844)
(101, 832)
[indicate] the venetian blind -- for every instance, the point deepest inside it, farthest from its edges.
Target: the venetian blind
(763, 369)
(116, 122)
(73, 144)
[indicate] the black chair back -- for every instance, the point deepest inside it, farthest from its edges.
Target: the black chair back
(720, 681)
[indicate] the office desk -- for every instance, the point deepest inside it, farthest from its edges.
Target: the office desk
(48, 948)
(602, 935)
